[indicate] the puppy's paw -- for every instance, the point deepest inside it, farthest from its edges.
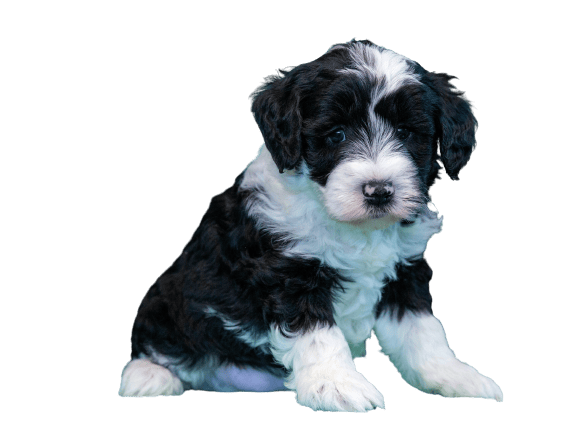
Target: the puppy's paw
(455, 379)
(141, 377)
(337, 390)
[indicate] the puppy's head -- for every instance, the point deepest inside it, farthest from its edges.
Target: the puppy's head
(365, 124)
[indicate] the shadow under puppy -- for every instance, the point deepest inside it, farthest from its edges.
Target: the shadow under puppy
(319, 242)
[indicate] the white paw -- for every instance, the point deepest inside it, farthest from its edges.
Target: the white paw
(454, 379)
(336, 390)
(141, 377)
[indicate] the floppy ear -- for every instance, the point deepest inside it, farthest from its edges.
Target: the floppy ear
(456, 124)
(276, 109)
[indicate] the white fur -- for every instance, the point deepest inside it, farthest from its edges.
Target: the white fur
(375, 156)
(292, 205)
(194, 377)
(142, 377)
(323, 373)
(386, 65)
(417, 346)
(333, 224)
(343, 195)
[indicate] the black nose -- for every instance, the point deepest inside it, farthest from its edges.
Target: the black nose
(378, 193)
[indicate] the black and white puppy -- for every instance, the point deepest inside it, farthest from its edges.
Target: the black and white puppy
(319, 242)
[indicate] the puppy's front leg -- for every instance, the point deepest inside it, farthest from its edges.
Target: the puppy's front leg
(417, 346)
(322, 371)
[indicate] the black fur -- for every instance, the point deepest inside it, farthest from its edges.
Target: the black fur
(455, 123)
(232, 269)
(284, 105)
(409, 291)
(240, 272)
(298, 109)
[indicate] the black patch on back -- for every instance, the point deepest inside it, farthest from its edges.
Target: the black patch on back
(239, 272)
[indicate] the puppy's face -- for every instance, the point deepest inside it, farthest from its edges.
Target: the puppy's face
(365, 124)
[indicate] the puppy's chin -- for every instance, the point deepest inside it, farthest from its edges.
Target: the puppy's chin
(357, 214)
(372, 222)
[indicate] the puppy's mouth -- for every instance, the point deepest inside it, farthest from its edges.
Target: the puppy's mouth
(393, 211)
(378, 214)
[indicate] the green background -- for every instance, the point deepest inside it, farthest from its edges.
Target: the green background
(121, 119)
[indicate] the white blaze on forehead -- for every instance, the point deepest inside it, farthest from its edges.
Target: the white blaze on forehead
(390, 68)
(379, 134)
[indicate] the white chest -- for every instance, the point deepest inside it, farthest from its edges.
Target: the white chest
(368, 260)
(354, 308)
(290, 204)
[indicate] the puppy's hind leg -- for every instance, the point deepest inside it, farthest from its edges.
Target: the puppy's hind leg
(141, 377)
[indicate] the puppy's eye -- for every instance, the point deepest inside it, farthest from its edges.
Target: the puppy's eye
(402, 133)
(337, 136)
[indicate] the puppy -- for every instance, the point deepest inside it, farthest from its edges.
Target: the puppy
(319, 242)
